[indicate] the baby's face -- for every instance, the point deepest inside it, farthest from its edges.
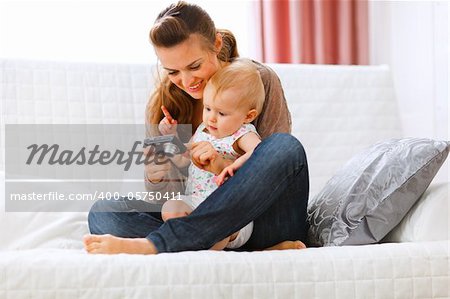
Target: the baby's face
(223, 114)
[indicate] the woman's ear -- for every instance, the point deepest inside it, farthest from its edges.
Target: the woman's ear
(218, 43)
(251, 115)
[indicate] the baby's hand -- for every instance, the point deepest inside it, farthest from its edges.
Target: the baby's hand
(226, 172)
(168, 125)
(203, 155)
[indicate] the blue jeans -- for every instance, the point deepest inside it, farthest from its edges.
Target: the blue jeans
(270, 189)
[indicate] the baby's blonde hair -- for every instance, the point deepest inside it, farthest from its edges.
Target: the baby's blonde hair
(243, 75)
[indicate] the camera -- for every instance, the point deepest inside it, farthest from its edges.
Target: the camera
(168, 145)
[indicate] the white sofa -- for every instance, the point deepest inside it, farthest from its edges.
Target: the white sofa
(336, 112)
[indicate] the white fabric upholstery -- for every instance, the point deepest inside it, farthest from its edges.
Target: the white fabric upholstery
(336, 111)
(405, 270)
(428, 219)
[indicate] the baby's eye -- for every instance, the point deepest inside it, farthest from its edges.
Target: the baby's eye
(207, 109)
(221, 114)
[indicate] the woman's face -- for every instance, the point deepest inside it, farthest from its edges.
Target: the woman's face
(189, 64)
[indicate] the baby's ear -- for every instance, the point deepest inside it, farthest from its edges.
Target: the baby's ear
(218, 42)
(251, 115)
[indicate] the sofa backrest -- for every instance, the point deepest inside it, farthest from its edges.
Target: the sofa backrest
(336, 110)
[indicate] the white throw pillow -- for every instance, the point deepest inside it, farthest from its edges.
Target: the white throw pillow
(428, 219)
(28, 230)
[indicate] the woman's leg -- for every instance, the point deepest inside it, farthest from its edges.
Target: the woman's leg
(286, 219)
(124, 217)
(270, 189)
(175, 209)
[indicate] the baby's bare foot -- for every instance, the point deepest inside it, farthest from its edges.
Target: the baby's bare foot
(288, 245)
(109, 244)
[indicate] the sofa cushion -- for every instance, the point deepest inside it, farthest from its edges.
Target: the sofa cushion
(371, 194)
(29, 230)
(427, 220)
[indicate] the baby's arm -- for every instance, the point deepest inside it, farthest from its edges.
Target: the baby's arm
(246, 143)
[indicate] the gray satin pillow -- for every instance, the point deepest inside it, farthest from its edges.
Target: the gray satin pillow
(373, 191)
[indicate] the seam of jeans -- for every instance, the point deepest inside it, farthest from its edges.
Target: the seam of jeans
(293, 173)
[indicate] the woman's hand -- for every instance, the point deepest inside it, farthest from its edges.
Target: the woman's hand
(204, 156)
(168, 125)
(155, 172)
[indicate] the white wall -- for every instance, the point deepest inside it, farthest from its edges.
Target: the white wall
(101, 30)
(413, 38)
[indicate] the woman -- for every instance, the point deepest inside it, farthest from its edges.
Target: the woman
(271, 189)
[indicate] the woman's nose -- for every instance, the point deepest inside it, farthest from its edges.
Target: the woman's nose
(186, 79)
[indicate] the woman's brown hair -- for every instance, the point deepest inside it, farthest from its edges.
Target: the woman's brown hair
(173, 26)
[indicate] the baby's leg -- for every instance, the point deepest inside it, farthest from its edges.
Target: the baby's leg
(222, 244)
(175, 209)
(288, 245)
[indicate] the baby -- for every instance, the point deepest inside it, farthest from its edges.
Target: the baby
(232, 99)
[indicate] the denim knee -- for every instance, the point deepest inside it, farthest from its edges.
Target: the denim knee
(100, 213)
(291, 148)
(110, 205)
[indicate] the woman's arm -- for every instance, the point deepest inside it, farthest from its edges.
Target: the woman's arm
(165, 177)
(275, 116)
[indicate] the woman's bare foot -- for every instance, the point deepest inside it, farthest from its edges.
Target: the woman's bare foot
(288, 245)
(109, 244)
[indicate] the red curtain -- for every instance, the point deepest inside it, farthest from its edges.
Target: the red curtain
(314, 31)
